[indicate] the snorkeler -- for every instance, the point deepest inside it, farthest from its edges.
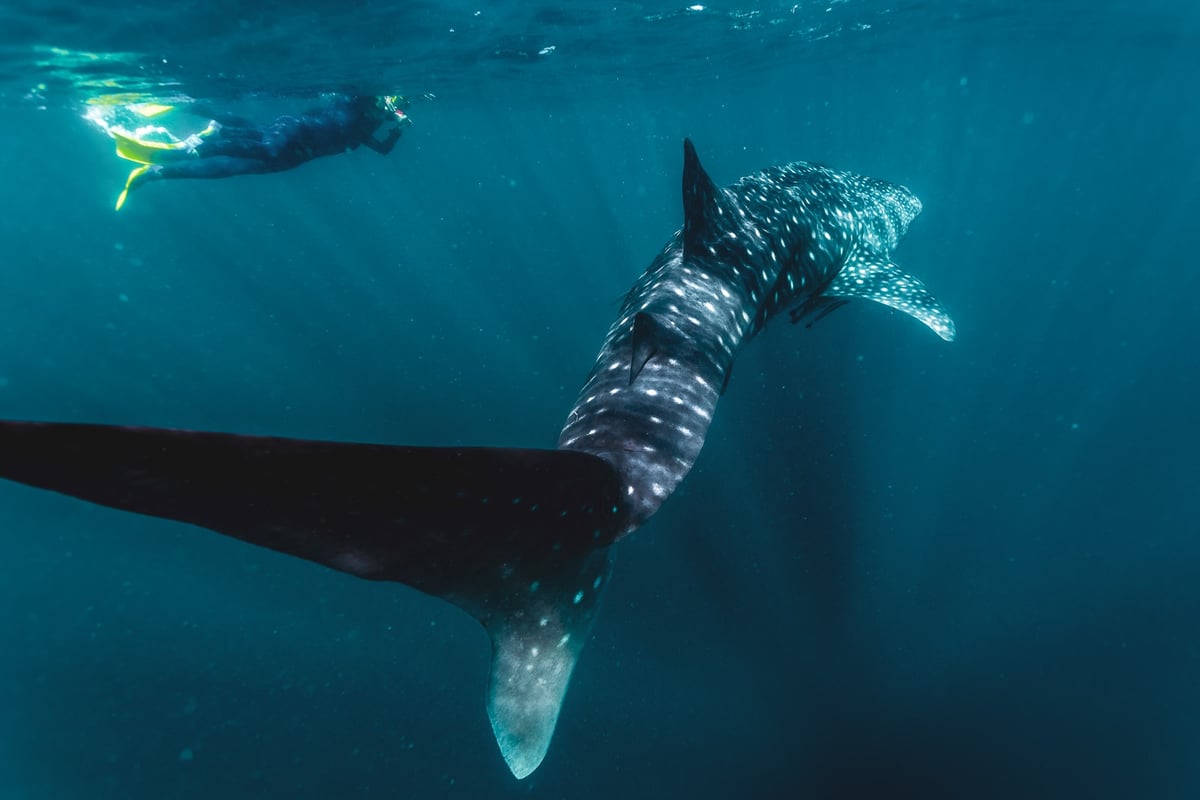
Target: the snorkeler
(222, 150)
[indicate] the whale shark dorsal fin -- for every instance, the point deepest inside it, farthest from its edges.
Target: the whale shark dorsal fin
(702, 206)
(538, 629)
(884, 282)
(647, 341)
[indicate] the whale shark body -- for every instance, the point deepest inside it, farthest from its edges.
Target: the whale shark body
(522, 539)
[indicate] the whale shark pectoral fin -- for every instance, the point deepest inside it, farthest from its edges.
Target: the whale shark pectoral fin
(538, 628)
(815, 309)
(886, 283)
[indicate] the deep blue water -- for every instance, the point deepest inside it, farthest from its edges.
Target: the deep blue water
(901, 568)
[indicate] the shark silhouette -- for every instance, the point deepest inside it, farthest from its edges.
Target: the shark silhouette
(521, 539)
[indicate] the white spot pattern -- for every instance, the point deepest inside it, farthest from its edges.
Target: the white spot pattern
(798, 238)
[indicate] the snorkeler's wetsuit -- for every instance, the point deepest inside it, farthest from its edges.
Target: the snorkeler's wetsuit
(344, 124)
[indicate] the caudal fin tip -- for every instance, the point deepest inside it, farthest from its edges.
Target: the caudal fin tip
(531, 669)
(523, 746)
(536, 640)
(523, 760)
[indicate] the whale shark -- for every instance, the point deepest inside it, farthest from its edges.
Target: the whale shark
(522, 539)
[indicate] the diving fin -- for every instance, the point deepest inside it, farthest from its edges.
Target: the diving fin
(517, 538)
(138, 176)
(143, 150)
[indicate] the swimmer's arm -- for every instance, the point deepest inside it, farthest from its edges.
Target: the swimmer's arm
(384, 147)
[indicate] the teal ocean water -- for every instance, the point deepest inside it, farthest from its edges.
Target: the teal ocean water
(901, 567)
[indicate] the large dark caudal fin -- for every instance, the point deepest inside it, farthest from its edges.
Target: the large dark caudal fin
(517, 538)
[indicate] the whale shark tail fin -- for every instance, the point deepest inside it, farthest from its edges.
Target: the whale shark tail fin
(538, 628)
(517, 538)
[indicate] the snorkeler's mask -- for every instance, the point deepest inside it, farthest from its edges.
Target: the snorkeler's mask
(393, 104)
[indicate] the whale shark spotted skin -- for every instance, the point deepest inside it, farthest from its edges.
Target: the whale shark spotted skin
(798, 237)
(522, 539)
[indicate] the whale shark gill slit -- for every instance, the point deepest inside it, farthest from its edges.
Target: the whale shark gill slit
(521, 539)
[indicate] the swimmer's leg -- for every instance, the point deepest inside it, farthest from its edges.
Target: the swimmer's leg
(226, 119)
(216, 167)
(219, 167)
(236, 143)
